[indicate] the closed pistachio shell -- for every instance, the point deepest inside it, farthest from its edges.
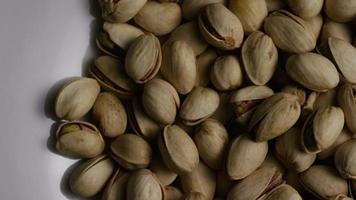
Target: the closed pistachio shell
(131, 151)
(110, 115)
(76, 98)
(192, 8)
(223, 183)
(169, 17)
(340, 10)
(89, 178)
(160, 101)
(306, 9)
(273, 5)
(164, 175)
(178, 150)
(116, 187)
(194, 196)
(250, 12)
(282, 192)
(199, 105)
(204, 63)
(245, 156)
(336, 30)
(220, 27)
(323, 181)
(79, 139)
(313, 71)
(172, 193)
(345, 159)
(344, 136)
(260, 57)
(347, 101)
(120, 11)
(289, 32)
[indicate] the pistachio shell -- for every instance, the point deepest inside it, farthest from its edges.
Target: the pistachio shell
(344, 136)
(178, 150)
(340, 10)
(297, 91)
(326, 99)
(131, 151)
(336, 30)
(116, 187)
(76, 98)
(345, 159)
(306, 9)
(90, 177)
(160, 101)
(347, 101)
(220, 27)
(172, 193)
(164, 175)
(260, 57)
(313, 71)
(315, 24)
(199, 105)
(192, 8)
(79, 139)
(169, 17)
(120, 11)
(204, 63)
(194, 196)
(245, 156)
(282, 192)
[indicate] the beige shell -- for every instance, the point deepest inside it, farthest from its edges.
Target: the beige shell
(204, 63)
(340, 10)
(250, 12)
(260, 57)
(79, 139)
(245, 156)
(297, 91)
(289, 32)
(76, 98)
(194, 196)
(120, 11)
(306, 9)
(99, 169)
(347, 101)
(164, 175)
(172, 193)
(192, 8)
(220, 27)
(178, 150)
(282, 192)
(315, 24)
(344, 136)
(110, 115)
(345, 159)
(159, 18)
(336, 30)
(131, 151)
(116, 187)
(160, 101)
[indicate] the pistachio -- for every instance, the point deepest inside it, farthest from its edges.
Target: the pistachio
(325, 99)
(344, 136)
(223, 183)
(245, 156)
(178, 150)
(225, 111)
(143, 58)
(345, 159)
(340, 10)
(250, 12)
(289, 32)
(160, 101)
(179, 66)
(76, 98)
(336, 30)
(220, 27)
(143, 185)
(313, 71)
(315, 24)
(332, 183)
(199, 105)
(194, 196)
(275, 116)
(120, 11)
(164, 175)
(306, 9)
(131, 151)
(110, 73)
(211, 139)
(226, 73)
(273, 5)
(169, 17)
(297, 91)
(172, 193)
(282, 192)
(116, 187)
(260, 57)
(204, 63)
(110, 115)
(90, 177)
(192, 8)
(347, 101)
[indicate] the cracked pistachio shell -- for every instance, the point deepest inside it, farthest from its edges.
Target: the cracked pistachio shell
(289, 151)
(76, 98)
(347, 101)
(282, 192)
(142, 124)
(199, 105)
(110, 73)
(110, 115)
(342, 54)
(322, 128)
(131, 151)
(172, 193)
(340, 10)
(178, 150)
(345, 159)
(297, 91)
(159, 18)
(202, 179)
(179, 65)
(274, 116)
(340, 197)
(120, 11)
(245, 156)
(194, 196)
(250, 12)
(189, 33)
(204, 63)
(144, 185)
(89, 178)
(79, 139)
(344, 136)
(160, 101)
(143, 58)
(336, 30)
(273, 5)
(226, 73)
(220, 27)
(260, 57)
(306, 9)
(164, 175)
(192, 8)
(211, 139)
(323, 181)
(289, 32)
(116, 187)
(313, 71)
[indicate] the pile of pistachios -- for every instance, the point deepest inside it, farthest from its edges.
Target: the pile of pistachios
(215, 99)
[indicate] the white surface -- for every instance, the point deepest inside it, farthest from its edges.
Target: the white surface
(41, 42)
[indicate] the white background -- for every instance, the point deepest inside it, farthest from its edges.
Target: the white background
(41, 42)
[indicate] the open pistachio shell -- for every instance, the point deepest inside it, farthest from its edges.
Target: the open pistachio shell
(282, 192)
(120, 11)
(344, 136)
(116, 187)
(164, 175)
(347, 101)
(192, 8)
(345, 159)
(340, 10)
(306, 9)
